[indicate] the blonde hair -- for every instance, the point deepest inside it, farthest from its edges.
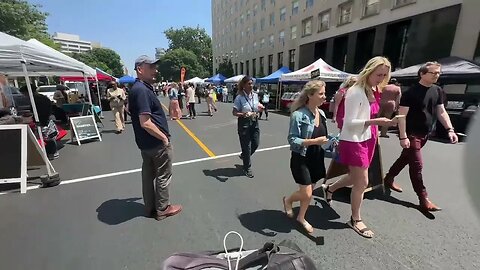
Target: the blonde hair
(309, 89)
(349, 82)
(369, 68)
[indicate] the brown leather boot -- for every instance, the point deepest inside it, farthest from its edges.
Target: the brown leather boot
(389, 183)
(171, 210)
(427, 205)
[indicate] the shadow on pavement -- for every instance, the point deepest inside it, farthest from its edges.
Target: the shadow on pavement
(223, 174)
(117, 211)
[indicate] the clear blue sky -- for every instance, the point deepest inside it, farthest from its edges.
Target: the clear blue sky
(130, 27)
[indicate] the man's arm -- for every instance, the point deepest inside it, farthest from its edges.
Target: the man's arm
(443, 117)
(147, 124)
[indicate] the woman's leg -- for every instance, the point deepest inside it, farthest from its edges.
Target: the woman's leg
(304, 196)
(122, 117)
(360, 182)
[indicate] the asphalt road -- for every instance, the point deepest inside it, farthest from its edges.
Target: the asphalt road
(100, 224)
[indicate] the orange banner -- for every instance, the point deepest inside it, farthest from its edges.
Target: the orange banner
(182, 74)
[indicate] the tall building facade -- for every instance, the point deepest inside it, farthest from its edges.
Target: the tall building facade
(72, 43)
(159, 52)
(260, 36)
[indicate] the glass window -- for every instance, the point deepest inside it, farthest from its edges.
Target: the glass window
(255, 46)
(293, 32)
(345, 13)
(247, 64)
(262, 24)
(254, 27)
(254, 67)
(309, 4)
(262, 4)
(241, 19)
(270, 63)
(248, 14)
(324, 21)
(295, 7)
(291, 59)
(255, 8)
(283, 12)
(307, 27)
(280, 60)
(261, 62)
(371, 7)
(281, 37)
(272, 2)
(272, 19)
(262, 43)
(399, 3)
(271, 41)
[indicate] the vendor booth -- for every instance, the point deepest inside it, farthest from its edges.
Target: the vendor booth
(216, 79)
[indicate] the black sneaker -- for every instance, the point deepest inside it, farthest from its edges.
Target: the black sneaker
(248, 173)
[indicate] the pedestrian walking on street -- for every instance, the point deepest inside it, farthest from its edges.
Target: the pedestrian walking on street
(307, 132)
(116, 97)
(264, 98)
(191, 101)
(389, 102)
(422, 104)
(174, 108)
(153, 139)
(211, 100)
(246, 108)
(358, 137)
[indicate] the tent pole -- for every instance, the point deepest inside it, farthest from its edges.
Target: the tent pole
(37, 120)
(88, 93)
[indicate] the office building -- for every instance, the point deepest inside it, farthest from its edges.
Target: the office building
(72, 43)
(259, 36)
(159, 52)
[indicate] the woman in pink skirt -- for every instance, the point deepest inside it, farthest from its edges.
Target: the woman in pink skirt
(174, 108)
(358, 137)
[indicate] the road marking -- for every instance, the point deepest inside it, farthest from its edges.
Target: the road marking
(195, 138)
(95, 177)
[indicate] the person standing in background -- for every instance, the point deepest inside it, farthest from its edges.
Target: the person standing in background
(191, 101)
(117, 97)
(174, 109)
(389, 102)
(264, 98)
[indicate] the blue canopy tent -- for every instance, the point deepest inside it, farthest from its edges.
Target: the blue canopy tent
(126, 79)
(274, 77)
(217, 79)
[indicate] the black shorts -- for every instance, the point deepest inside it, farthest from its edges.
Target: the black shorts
(306, 170)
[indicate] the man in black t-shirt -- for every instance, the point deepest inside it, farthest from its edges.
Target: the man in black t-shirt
(422, 104)
(153, 139)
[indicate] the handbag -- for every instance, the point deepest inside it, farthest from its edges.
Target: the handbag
(50, 131)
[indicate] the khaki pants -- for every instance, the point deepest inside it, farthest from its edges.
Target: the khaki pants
(118, 114)
(156, 177)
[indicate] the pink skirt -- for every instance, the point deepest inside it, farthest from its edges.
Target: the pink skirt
(357, 154)
(174, 110)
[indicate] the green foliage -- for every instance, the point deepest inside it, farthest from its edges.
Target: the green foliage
(110, 58)
(25, 21)
(226, 68)
(170, 64)
(195, 40)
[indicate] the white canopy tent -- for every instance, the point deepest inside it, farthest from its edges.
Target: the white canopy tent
(317, 70)
(20, 58)
(195, 80)
(234, 79)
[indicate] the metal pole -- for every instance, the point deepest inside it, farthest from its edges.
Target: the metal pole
(98, 93)
(37, 120)
(88, 93)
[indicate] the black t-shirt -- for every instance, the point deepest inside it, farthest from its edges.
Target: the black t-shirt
(142, 100)
(422, 102)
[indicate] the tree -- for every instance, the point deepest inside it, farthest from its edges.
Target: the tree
(170, 64)
(193, 39)
(89, 59)
(25, 21)
(111, 59)
(226, 68)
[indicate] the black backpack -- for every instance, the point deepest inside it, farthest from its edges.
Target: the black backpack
(283, 256)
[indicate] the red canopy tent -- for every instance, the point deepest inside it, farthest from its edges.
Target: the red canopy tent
(101, 75)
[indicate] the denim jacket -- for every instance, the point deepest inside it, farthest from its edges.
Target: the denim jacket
(302, 124)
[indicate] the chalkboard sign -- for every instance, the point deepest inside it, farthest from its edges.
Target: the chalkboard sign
(375, 171)
(10, 153)
(84, 128)
(315, 73)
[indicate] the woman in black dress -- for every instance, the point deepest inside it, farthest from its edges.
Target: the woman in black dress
(307, 132)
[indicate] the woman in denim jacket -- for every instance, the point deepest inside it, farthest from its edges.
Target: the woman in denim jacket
(308, 131)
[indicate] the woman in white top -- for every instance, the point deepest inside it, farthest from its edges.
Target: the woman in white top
(191, 101)
(117, 97)
(358, 137)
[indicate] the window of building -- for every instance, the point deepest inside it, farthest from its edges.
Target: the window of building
(241, 19)
(294, 7)
(272, 2)
(324, 21)
(248, 31)
(242, 34)
(291, 59)
(281, 37)
(262, 5)
(283, 13)
(272, 19)
(262, 43)
(241, 68)
(309, 4)
(255, 8)
(401, 3)
(271, 41)
(261, 62)
(270, 63)
(254, 27)
(248, 14)
(280, 60)
(241, 3)
(293, 32)
(241, 50)
(236, 68)
(254, 67)
(307, 27)
(255, 46)
(262, 24)
(371, 7)
(247, 67)
(345, 13)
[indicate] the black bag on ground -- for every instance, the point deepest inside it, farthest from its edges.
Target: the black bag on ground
(284, 256)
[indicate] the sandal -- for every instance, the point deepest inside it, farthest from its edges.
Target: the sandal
(363, 232)
(326, 190)
(306, 226)
(288, 211)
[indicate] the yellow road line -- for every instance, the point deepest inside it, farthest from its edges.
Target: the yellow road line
(195, 138)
